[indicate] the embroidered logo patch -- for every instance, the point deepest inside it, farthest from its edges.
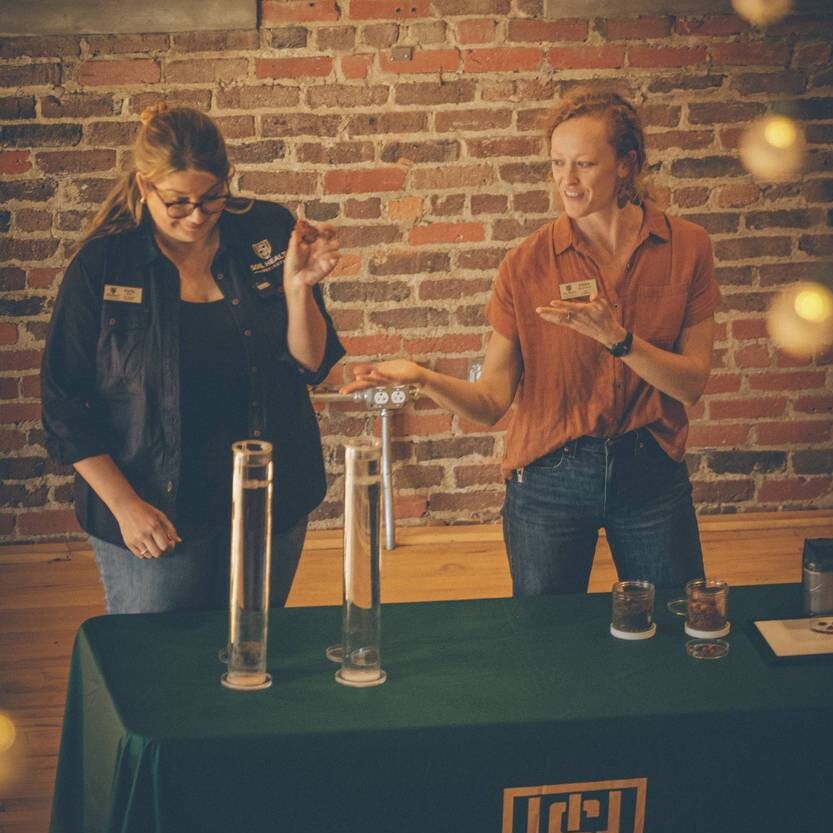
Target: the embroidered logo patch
(262, 249)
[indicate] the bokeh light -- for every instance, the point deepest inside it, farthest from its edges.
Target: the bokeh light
(773, 148)
(800, 319)
(762, 12)
(8, 733)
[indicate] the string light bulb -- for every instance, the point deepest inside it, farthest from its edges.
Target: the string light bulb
(773, 148)
(800, 319)
(762, 12)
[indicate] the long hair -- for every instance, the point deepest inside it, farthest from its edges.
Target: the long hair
(170, 139)
(625, 128)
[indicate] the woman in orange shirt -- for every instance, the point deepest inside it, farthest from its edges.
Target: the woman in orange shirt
(602, 334)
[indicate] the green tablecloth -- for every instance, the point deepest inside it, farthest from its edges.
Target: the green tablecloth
(512, 716)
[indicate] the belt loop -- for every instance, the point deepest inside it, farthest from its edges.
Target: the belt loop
(570, 448)
(519, 473)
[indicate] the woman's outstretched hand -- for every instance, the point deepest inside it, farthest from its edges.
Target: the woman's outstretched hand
(593, 318)
(393, 372)
(312, 254)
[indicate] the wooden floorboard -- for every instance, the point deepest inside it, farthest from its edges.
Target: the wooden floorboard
(47, 590)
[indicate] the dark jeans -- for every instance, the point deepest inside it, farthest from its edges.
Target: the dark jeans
(194, 576)
(627, 485)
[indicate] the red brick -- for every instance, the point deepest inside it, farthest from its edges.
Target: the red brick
(12, 440)
(476, 31)
(587, 57)
(685, 139)
(389, 9)
(464, 176)
(21, 360)
(408, 208)
(723, 383)
(541, 31)
(76, 161)
(802, 380)
(715, 435)
(747, 328)
(483, 119)
(279, 182)
(8, 335)
(375, 345)
(14, 162)
(423, 60)
(409, 423)
(19, 412)
(409, 506)
(750, 54)
(47, 522)
(7, 525)
(786, 433)
(722, 491)
(755, 355)
(477, 475)
(119, 72)
(793, 489)
(42, 278)
(814, 405)
(738, 195)
(692, 197)
(666, 56)
(465, 501)
(725, 25)
(748, 408)
(201, 70)
(356, 66)
(30, 386)
(364, 181)
(443, 344)
(636, 28)
(447, 233)
(811, 54)
(297, 11)
(501, 59)
(303, 67)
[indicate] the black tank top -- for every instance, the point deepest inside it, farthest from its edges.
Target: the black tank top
(213, 407)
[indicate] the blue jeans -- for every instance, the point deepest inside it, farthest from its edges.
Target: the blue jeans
(195, 575)
(627, 485)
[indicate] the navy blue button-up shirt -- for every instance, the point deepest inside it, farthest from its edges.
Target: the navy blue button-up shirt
(110, 374)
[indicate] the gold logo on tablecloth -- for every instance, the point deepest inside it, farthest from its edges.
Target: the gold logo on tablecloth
(587, 807)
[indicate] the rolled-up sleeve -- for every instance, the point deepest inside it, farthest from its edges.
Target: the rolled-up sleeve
(704, 292)
(69, 412)
(333, 348)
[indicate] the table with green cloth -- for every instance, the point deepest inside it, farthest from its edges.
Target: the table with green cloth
(498, 716)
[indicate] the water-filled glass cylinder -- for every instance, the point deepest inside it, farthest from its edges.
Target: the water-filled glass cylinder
(361, 615)
(251, 546)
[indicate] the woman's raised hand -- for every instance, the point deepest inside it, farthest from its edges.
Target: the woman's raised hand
(312, 254)
(147, 531)
(593, 318)
(392, 372)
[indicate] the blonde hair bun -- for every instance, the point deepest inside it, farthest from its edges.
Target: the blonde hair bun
(153, 110)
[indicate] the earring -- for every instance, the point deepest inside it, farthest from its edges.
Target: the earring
(142, 200)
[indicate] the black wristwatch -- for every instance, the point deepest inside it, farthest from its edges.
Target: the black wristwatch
(623, 347)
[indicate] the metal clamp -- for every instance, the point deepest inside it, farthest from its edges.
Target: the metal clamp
(382, 400)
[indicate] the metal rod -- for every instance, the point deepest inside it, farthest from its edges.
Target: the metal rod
(387, 480)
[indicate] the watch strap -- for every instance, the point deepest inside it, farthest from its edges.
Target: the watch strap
(623, 347)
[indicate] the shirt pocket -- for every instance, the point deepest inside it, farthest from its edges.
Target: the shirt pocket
(659, 312)
(122, 348)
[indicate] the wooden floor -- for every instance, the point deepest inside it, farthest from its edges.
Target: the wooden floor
(47, 590)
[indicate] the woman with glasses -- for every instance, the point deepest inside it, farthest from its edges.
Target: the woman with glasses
(188, 319)
(602, 334)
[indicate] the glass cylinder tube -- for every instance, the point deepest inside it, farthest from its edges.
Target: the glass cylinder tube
(251, 547)
(361, 615)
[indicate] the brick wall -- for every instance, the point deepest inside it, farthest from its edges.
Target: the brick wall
(433, 167)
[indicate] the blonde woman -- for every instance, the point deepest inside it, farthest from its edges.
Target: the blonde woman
(602, 334)
(187, 320)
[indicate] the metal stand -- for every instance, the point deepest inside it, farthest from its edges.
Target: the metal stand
(383, 401)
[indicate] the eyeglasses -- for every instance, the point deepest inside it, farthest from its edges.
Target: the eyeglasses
(183, 208)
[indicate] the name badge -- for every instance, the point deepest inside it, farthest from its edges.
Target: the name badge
(577, 289)
(128, 294)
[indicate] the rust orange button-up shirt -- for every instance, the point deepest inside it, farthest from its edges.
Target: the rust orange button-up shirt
(571, 385)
